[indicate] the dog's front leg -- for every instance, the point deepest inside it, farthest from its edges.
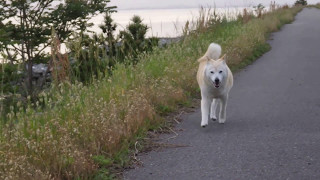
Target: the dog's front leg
(213, 110)
(205, 106)
(223, 108)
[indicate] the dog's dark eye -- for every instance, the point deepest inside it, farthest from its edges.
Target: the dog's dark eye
(220, 71)
(211, 72)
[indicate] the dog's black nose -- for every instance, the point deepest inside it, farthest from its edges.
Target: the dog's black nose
(216, 80)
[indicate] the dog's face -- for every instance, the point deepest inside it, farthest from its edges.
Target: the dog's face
(216, 71)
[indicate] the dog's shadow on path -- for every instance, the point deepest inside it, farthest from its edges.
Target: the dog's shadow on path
(215, 128)
(238, 125)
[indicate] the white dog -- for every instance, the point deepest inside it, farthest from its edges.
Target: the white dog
(215, 80)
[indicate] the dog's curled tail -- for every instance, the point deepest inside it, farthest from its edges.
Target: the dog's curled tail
(213, 52)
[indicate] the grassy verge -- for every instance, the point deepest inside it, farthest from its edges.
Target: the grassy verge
(316, 5)
(88, 128)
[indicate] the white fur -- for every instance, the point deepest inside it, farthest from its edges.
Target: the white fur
(215, 80)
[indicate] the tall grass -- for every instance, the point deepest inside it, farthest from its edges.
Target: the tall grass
(81, 123)
(316, 5)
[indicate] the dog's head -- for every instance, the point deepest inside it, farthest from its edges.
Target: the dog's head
(217, 71)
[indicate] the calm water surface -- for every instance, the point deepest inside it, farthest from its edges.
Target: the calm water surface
(162, 22)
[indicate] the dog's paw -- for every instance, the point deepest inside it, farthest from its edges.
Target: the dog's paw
(204, 125)
(222, 121)
(213, 118)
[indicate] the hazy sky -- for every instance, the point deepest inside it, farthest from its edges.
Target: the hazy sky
(158, 4)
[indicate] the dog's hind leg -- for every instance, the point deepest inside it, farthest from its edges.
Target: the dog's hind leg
(213, 110)
(223, 108)
(205, 107)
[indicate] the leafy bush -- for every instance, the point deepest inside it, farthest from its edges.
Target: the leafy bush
(9, 77)
(96, 56)
(89, 59)
(301, 2)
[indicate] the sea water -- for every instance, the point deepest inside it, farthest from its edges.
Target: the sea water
(161, 22)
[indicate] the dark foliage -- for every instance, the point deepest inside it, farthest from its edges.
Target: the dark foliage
(30, 33)
(301, 2)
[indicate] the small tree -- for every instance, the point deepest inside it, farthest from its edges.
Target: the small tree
(108, 28)
(133, 38)
(301, 2)
(259, 9)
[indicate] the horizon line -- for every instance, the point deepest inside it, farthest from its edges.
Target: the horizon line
(185, 7)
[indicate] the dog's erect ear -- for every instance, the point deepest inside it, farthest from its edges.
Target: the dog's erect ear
(203, 59)
(224, 58)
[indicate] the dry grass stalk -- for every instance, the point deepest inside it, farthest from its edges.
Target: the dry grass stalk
(246, 16)
(273, 6)
(60, 66)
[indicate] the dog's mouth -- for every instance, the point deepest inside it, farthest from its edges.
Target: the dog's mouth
(216, 84)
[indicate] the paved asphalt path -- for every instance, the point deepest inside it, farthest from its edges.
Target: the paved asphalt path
(273, 119)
